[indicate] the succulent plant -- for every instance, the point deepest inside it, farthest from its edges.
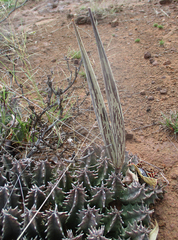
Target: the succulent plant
(99, 207)
(103, 195)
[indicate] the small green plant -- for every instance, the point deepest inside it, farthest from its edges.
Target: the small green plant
(7, 3)
(137, 40)
(160, 26)
(155, 25)
(74, 54)
(161, 43)
(171, 122)
(82, 8)
(82, 74)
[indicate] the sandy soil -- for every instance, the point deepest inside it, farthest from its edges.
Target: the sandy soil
(146, 89)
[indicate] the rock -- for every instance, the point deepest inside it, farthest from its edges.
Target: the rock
(82, 19)
(76, 61)
(152, 60)
(142, 92)
(150, 98)
(168, 62)
(70, 16)
(164, 2)
(128, 135)
(114, 23)
(155, 63)
(158, 88)
(163, 91)
(147, 55)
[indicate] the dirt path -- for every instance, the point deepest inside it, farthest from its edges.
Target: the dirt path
(146, 89)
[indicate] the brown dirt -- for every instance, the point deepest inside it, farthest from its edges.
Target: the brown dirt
(51, 35)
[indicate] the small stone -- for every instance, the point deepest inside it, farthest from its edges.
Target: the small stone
(158, 88)
(150, 98)
(114, 23)
(148, 109)
(163, 91)
(76, 61)
(147, 55)
(155, 63)
(128, 136)
(54, 60)
(152, 60)
(174, 175)
(164, 2)
(70, 16)
(142, 92)
(168, 62)
(130, 34)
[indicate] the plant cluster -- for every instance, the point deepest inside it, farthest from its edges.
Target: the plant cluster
(88, 201)
(171, 122)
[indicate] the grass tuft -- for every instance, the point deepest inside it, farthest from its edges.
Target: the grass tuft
(171, 122)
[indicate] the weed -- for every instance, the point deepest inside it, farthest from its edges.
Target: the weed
(29, 109)
(137, 40)
(160, 26)
(171, 122)
(161, 43)
(82, 74)
(7, 3)
(74, 54)
(83, 8)
(155, 25)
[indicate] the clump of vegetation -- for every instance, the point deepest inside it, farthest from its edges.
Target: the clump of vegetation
(155, 25)
(171, 122)
(137, 40)
(82, 74)
(160, 26)
(74, 54)
(161, 43)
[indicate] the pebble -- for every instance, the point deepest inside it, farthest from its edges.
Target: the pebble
(164, 2)
(150, 98)
(128, 136)
(114, 23)
(163, 91)
(151, 60)
(155, 63)
(76, 61)
(158, 88)
(142, 92)
(168, 62)
(147, 55)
